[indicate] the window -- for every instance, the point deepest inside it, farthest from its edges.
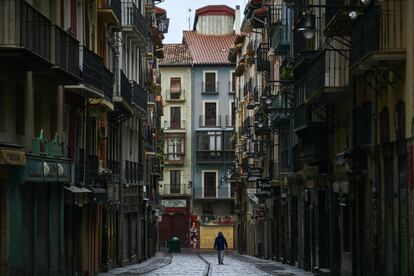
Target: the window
(174, 149)
(175, 88)
(210, 85)
(175, 180)
(208, 209)
(210, 114)
(209, 141)
(175, 117)
(210, 184)
(232, 82)
(19, 101)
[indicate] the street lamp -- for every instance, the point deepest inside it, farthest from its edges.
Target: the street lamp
(308, 26)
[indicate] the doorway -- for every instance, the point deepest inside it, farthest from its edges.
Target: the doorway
(3, 223)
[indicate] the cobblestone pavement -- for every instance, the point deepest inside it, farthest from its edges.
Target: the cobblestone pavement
(205, 264)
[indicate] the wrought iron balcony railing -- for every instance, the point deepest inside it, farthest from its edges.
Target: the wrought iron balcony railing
(281, 37)
(210, 88)
(139, 96)
(213, 156)
(230, 121)
(175, 124)
(126, 88)
(134, 172)
(381, 28)
(262, 61)
(112, 5)
(107, 83)
(24, 27)
(66, 51)
(210, 121)
(177, 189)
(132, 18)
(329, 70)
(92, 69)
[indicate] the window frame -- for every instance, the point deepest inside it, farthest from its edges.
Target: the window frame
(216, 83)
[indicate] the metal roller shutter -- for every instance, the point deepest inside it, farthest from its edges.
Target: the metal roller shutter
(26, 194)
(55, 234)
(42, 229)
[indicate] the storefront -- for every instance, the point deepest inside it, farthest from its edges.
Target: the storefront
(175, 220)
(41, 222)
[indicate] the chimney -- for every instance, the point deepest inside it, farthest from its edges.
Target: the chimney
(237, 20)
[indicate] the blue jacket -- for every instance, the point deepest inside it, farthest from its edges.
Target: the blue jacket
(220, 243)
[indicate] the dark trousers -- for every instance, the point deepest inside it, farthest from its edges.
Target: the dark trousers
(220, 256)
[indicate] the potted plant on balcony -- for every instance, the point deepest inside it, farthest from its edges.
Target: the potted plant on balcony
(286, 73)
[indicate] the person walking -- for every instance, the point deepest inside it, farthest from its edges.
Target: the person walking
(220, 244)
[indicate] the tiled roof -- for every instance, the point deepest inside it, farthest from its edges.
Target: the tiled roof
(176, 54)
(209, 49)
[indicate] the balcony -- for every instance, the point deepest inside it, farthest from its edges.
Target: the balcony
(261, 124)
(175, 125)
(92, 71)
(214, 193)
(214, 156)
(281, 37)
(175, 95)
(210, 121)
(230, 121)
(110, 11)
(379, 35)
(328, 73)
(174, 189)
(214, 147)
(174, 148)
(126, 88)
(134, 23)
(65, 53)
(26, 32)
(134, 172)
(139, 97)
(210, 88)
(107, 83)
(262, 61)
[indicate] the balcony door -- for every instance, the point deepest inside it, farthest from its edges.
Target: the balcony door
(175, 117)
(210, 114)
(210, 184)
(175, 88)
(175, 180)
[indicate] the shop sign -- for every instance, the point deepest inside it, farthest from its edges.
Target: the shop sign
(174, 203)
(264, 188)
(260, 214)
(34, 169)
(46, 170)
(254, 174)
(12, 157)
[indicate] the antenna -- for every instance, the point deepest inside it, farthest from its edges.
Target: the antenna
(189, 19)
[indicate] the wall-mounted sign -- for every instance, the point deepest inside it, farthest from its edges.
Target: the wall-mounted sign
(12, 157)
(174, 203)
(39, 169)
(254, 174)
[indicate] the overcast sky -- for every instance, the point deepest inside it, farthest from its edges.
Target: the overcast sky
(177, 11)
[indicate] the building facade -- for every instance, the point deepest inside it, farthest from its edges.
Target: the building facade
(331, 81)
(175, 189)
(212, 125)
(78, 172)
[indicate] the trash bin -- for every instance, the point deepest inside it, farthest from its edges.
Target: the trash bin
(175, 245)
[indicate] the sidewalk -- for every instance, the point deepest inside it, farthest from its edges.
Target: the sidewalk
(272, 267)
(160, 260)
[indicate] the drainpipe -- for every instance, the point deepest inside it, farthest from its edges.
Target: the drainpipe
(193, 144)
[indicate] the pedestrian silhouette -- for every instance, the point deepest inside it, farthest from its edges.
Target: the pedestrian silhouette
(220, 244)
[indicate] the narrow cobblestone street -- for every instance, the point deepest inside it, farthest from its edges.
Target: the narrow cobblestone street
(205, 264)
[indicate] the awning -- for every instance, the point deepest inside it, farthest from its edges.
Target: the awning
(77, 190)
